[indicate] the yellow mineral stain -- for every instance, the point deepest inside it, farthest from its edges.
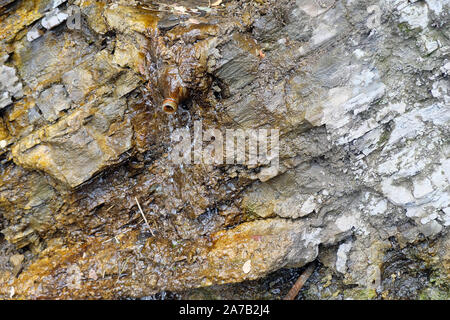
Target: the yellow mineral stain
(23, 16)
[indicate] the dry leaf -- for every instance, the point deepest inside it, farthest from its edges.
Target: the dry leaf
(180, 9)
(193, 21)
(206, 9)
(215, 4)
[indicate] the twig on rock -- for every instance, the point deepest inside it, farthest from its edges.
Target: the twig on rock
(143, 216)
(300, 282)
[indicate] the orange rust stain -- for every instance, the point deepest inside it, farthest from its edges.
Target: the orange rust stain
(247, 43)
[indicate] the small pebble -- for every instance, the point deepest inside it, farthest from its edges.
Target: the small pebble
(247, 266)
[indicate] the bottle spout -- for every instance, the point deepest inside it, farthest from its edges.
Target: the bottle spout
(173, 89)
(170, 105)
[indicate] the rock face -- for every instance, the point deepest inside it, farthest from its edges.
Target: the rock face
(10, 87)
(359, 91)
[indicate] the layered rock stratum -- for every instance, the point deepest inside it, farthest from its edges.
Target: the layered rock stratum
(359, 90)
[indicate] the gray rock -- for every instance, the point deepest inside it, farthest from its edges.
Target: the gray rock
(10, 86)
(52, 101)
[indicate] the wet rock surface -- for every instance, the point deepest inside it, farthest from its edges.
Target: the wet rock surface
(363, 108)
